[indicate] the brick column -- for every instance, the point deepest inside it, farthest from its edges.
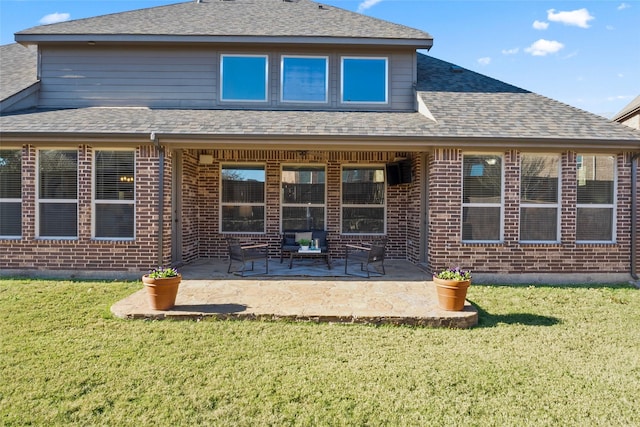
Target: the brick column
(85, 180)
(511, 197)
(29, 179)
(569, 199)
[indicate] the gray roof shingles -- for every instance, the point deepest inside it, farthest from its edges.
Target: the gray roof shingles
(262, 18)
(218, 122)
(476, 107)
(471, 105)
(17, 69)
(465, 105)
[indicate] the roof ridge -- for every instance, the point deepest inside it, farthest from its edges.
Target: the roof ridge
(239, 18)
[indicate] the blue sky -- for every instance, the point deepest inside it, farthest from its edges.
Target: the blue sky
(583, 53)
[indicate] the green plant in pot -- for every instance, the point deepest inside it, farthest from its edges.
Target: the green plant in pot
(162, 287)
(304, 243)
(451, 286)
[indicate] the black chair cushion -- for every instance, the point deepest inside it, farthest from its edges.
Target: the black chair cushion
(322, 238)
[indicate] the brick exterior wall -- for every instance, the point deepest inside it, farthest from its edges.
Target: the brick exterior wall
(406, 206)
(191, 238)
(510, 256)
(415, 211)
(206, 177)
(637, 215)
(85, 253)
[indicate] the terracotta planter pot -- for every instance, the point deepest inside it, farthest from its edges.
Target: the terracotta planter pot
(451, 293)
(162, 292)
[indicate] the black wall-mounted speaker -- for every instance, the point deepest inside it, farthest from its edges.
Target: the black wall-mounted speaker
(399, 173)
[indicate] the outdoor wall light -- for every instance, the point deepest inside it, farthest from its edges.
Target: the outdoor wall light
(205, 159)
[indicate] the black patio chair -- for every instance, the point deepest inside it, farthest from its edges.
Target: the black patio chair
(243, 254)
(366, 254)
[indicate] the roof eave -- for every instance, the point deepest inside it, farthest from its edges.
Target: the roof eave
(35, 39)
(629, 110)
(8, 101)
(626, 115)
(331, 142)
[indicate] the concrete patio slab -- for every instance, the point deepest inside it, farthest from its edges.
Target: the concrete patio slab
(406, 299)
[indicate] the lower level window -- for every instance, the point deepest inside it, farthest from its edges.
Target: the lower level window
(58, 194)
(363, 200)
(243, 199)
(539, 201)
(114, 194)
(10, 194)
(596, 198)
(303, 197)
(482, 198)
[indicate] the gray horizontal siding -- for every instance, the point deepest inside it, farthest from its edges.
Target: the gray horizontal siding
(403, 75)
(187, 78)
(127, 77)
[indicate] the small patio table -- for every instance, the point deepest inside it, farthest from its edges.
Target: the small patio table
(301, 253)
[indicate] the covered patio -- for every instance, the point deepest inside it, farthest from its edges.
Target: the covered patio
(309, 291)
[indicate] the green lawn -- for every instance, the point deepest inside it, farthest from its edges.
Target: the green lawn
(543, 356)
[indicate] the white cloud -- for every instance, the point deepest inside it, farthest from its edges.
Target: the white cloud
(610, 27)
(624, 6)
(484, 60)
(366, 4)
(54, 18)
(539, 25)
(578, 18)
(544, 47)
(510, 51)
(619, 98)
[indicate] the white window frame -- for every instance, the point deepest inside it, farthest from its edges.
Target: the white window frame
(223, 204)
(326, 79)
(39, 200)
(483, 205)
(348, 205)
(95, 201)
(266, 77)
(386, 80)
(556, 205)
(14, 200)
(303, 205)
(613, 206)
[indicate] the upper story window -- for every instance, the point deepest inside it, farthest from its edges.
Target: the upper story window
(303, 197)
(539, 198)
(58, 194)
(243, 198)
(364, 80)
(304, 79)
(482, 198)
(114, 194)
(244, 78)
(363, 200)
(596, 198)
(10, 194)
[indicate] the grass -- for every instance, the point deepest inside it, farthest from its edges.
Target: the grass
(541, 356)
